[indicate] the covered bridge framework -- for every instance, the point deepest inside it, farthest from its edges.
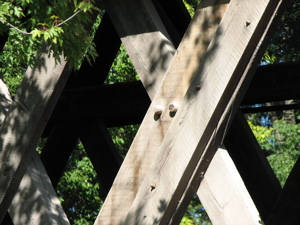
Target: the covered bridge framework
(197, 76)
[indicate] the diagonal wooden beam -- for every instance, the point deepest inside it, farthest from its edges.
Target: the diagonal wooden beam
(252, 165)
(151, 140)
(58, 148)
(63, 133)
(175, 18)
(102, 152)
(244, 25)
(223, 193)
(147, 35)
(35, 201)
(286, 209)
(140, 155)
(25, 122)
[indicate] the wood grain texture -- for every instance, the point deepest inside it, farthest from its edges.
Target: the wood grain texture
(203, 111)
(144, 37)
(151, 133)
(224, 195)
(25, 122)
(36, 202)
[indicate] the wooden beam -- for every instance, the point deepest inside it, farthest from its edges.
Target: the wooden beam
(286, 209)
(118, 104)
(63, 133)
(280, 80)
(36, 201)
(58, 148)
(107, 45)
(252, 165)
(243, 26)
(19, 135)
(270, 108)
(175, 18)
(223, 194)
(128, 17)
(102, 152)
(5, 102)
(127, 103)
(141, 153)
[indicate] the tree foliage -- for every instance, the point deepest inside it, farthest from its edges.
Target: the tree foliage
(39, 22)
(79, 189)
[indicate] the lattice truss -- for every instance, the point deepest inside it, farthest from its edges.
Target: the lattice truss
(197, 75)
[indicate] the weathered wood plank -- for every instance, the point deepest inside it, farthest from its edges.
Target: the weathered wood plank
(141, 153)
(5, 102)
(203, 111)
(35, 202)
(128, 17)
(25, 122)
(224, 195)
(286, 210)
(252, 165)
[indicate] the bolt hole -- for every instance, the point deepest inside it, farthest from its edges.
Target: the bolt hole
(157, 115)
(152, 187)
